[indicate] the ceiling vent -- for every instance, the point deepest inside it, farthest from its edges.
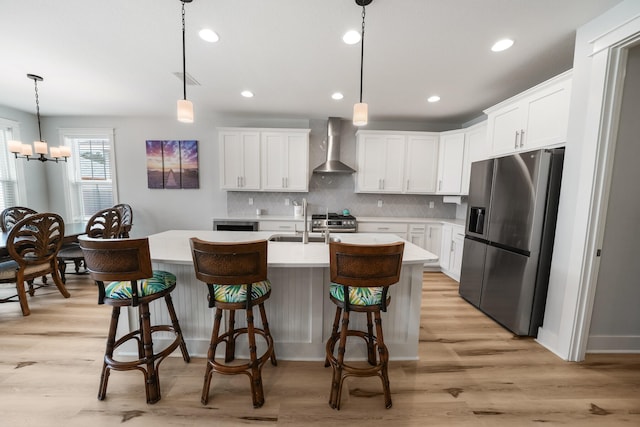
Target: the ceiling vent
(190, 80)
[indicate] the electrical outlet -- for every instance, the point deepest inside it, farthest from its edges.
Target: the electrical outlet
(287, 202)
(432, 205)
(379, 203)
(250, 201)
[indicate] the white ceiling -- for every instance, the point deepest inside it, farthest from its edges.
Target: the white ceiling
(117, 57)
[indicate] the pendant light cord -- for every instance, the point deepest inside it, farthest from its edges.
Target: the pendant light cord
(35, 82)
(184, 58)
(362, 52)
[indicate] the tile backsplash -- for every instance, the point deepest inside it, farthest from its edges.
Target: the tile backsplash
(335, 193)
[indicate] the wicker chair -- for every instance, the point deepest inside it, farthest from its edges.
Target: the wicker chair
(126, 265)
(104, 224)
(360, 278)
(236, 276)
(33, 244)
(126, 215)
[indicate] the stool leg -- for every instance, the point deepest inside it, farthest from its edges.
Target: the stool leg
(334, 331)
(384, 361)
(256, 377)
(267, 332)
(211, 354)
(108, 353)
(230, 351)
(336, 385)
(371, 353)
(176, 327)
(152, 383)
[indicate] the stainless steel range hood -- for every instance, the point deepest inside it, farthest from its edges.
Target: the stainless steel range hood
(333, 163)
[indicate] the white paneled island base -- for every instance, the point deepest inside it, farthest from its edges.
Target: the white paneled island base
(299, 310)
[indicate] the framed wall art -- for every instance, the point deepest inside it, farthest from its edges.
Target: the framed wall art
(172, 164)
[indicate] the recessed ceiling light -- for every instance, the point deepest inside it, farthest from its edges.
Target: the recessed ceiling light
(351, 37)
(433, 98)
(501, 45)
(208, 35)
(247, 94)
(337, 96)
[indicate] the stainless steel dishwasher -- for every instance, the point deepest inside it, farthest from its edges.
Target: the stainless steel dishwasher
(235, 225)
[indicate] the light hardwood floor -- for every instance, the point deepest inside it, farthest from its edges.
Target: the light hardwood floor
(471, 372)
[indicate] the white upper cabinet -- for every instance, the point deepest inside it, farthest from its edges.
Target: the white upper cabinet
(239, 160)
(285, 161)
(421, 164)
(396, 162)
(380, 162)
(476, 149)
(253, 159)
(451, 162)
(533, 119)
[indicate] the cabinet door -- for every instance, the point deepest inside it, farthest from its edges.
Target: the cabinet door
(450, 165)
(239, 160)
(380, 163)
(433, 241)
(504, 129)
(285, 160)
(417, 234)
(476, 149)
(445, 252)
(547, 117)
(421, 164)
(456, 253)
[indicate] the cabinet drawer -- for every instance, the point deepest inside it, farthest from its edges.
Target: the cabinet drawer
(382, 227)
(279, 226)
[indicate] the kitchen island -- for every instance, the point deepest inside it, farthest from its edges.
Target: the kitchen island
(299, 310)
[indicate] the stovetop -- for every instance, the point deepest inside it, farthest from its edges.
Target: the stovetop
(331, 215)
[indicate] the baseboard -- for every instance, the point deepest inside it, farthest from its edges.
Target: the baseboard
(613, 344)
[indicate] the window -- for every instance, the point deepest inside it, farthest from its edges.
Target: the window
(8, 181)
(91, 172)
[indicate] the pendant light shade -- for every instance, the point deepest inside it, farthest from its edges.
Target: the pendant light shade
(185, 111)
(185, 107)
(360, 114)
(361, 109)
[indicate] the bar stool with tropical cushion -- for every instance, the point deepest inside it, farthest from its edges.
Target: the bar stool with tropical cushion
(122, 270)
(104, 224)
(33, 244)
(360, 279)
(236, 276)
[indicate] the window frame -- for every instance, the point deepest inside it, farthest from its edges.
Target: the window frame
(73, 208)
(21, 191)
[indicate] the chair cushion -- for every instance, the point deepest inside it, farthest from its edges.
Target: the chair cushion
(358, 296)
(71, 251)
(160, 281)
(238, 293)
(8, 269)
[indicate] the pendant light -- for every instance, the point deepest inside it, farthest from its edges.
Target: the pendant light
(361, 109)
(40, 146)
(185, 107)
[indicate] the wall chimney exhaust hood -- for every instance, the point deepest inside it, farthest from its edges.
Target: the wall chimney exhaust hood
(333, 163)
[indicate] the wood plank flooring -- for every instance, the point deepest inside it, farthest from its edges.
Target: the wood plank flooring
(471, 372)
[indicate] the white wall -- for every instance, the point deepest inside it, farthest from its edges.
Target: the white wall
(563, 330)
(615, 322)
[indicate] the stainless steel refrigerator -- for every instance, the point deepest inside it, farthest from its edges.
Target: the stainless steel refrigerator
(510, 229)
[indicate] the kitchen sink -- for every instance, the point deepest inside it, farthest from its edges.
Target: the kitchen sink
(298, 238)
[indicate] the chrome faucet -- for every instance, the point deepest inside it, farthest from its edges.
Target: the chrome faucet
(305, 231)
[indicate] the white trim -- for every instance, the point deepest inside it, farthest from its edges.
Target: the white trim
(20, 179)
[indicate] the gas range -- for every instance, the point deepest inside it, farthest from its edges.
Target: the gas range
(334, 222)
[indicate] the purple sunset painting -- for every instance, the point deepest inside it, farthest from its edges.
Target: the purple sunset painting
(172, 164)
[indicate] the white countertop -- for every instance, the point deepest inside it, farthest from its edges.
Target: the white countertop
(412, 220)
(172, 247)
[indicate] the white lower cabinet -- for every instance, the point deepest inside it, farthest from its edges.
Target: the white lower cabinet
(433, 241)
(280, 226)
(397, 228)
(451, 254)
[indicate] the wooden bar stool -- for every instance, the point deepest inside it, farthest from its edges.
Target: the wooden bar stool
(362, 273)
(126, 264)
(236, 276)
